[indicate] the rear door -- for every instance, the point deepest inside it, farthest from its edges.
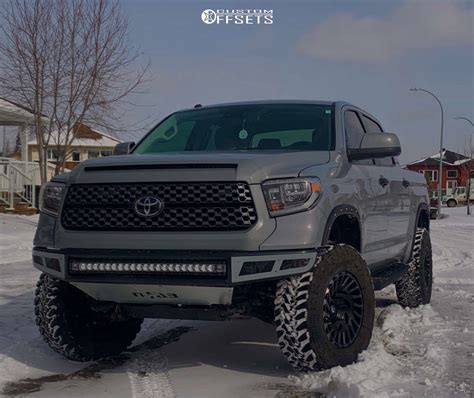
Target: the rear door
(399, 198)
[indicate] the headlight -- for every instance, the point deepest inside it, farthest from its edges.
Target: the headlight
(291, 195)
(50, 198)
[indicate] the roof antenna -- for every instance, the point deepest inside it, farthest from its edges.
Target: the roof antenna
(197, 106)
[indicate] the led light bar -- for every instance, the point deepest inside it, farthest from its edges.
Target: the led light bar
(118, 267)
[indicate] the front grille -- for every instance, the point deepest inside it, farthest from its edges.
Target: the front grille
(187, 207)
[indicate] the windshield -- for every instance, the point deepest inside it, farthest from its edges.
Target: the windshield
(262, 127)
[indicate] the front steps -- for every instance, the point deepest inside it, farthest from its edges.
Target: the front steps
(19, 208)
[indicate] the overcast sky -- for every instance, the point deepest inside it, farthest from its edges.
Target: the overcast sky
(365, 52)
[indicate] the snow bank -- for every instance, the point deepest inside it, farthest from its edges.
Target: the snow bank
(382, 369)
(16, 234)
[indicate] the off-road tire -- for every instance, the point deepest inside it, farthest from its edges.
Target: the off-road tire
(414, 288)
(300, 316)
(71, 328)
(451, 203)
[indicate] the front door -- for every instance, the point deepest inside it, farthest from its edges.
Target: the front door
(399, 200)
(372, 192)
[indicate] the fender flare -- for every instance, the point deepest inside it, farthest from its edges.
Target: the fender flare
(338, 211)
(422, 207)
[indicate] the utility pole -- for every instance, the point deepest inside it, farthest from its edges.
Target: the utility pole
(468, 188)
(440, 174)
(4, 144)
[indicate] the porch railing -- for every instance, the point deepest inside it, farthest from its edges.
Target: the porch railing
(18, 182)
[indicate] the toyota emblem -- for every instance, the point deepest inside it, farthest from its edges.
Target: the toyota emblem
(148, 206)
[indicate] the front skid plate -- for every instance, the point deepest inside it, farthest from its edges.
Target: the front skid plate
(157, 294)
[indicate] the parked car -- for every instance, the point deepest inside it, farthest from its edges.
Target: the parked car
(293, 212)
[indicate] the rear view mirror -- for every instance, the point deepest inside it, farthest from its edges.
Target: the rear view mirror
(123, 148)
(376, 145)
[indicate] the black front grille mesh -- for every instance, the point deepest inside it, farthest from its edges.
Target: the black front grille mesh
(187, 206)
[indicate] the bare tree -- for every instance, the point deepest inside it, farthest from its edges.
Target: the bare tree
(70, 62)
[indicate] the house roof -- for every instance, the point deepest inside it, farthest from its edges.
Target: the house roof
(85, 137)
(449, 158)
(12, 113)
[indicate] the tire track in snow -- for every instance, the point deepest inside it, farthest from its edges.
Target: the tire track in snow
(147, 370)
(149, 377)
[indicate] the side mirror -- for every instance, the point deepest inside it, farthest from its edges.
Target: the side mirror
(123, 148)
(376, 145)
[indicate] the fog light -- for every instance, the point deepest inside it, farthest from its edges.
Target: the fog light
(295, 263)
(256, 267)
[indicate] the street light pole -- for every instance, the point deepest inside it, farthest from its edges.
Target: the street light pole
(468, 188)
(440, 174)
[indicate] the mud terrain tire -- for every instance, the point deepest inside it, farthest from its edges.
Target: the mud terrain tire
(414, 288)
(313, 311)
(71, 328)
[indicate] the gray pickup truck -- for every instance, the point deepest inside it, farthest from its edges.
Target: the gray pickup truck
(290, 211)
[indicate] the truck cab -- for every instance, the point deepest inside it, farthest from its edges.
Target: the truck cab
(460, 196)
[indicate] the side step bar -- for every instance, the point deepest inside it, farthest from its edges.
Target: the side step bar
(389, 274)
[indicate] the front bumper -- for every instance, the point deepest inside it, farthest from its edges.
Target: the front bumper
(166, 288)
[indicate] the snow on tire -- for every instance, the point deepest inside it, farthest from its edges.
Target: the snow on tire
(71, 328)
(324, 317)
(414, 288)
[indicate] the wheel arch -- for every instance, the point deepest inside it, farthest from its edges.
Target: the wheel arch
(452, 200)
(423, 217)
(342, 220)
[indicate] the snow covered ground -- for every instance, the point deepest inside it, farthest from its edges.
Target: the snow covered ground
(427, 351)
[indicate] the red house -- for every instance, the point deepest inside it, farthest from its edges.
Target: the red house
(456, 170)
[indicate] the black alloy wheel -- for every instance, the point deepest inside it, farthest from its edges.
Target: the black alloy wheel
(343, 309)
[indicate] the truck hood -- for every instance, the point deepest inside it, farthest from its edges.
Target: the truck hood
(253, 167)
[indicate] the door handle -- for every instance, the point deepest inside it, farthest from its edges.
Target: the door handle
(406, 183)
(383, 181)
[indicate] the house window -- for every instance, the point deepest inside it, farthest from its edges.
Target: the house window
(76, 156)
(93, 154)
(451, 186)
(452, 174)
(53, 154)
(432, 175)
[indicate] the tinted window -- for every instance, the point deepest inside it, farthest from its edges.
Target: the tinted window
(354, 130)
(371, 126)
(244, 127)
(287, 138)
